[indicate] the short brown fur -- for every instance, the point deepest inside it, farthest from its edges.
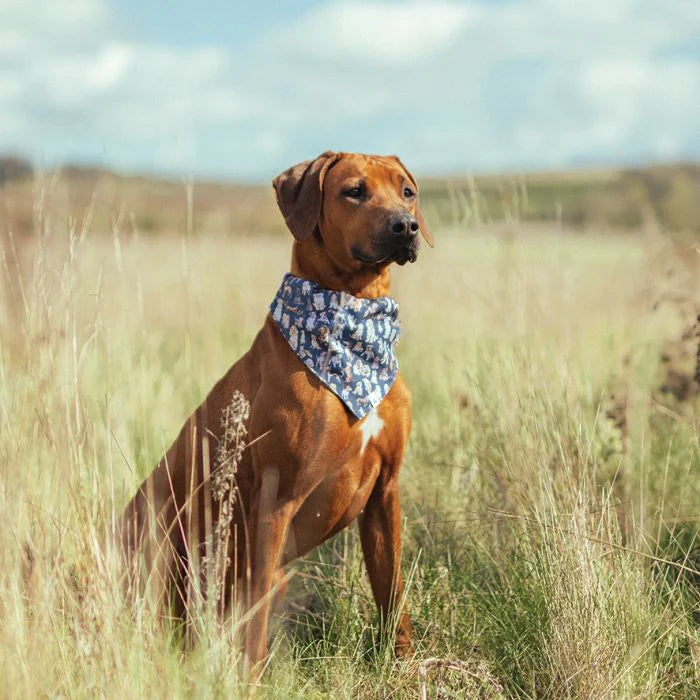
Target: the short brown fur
(307, 477)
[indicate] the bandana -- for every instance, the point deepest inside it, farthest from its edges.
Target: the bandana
(348, 343)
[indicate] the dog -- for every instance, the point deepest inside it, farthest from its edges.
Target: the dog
(329, 414)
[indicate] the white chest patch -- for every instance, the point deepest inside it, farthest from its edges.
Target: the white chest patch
(371, 426)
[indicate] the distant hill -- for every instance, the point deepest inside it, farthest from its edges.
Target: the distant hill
(663, 195)
(667, 196)
(100, 200)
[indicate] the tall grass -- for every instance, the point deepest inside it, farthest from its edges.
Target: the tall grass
(550, 491)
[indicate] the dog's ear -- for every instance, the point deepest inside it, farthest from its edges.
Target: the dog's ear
(419, 214)
(299, 191)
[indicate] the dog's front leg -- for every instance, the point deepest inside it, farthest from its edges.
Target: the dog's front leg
(270, 524)
(380, 533)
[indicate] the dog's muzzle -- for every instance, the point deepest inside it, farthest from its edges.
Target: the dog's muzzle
(403, 236)
(398, 242)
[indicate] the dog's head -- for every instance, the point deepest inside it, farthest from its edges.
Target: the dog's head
(363, 210)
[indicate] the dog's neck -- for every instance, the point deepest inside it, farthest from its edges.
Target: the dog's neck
(311, 261)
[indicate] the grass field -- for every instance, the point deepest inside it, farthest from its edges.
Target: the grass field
(551, 491)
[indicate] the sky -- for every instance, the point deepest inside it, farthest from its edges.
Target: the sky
(241, 90)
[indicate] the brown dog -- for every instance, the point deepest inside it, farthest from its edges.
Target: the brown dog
(311, 466)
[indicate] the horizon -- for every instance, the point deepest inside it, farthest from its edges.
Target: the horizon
(589, 169)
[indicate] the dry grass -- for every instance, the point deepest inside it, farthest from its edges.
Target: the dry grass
(550, 527)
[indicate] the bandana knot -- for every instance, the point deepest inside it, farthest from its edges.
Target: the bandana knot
(347, 342)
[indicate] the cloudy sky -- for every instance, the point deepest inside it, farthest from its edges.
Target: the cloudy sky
(242, 89)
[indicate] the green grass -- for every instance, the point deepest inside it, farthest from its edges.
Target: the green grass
(550, 491)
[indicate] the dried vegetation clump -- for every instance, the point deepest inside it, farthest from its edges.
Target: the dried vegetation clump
(228, 456)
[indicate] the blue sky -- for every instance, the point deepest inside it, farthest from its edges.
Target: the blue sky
(242, 90)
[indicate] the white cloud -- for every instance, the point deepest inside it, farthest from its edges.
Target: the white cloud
(110, 66)
(448, 84)
(38, 26)
(75, 86)
(360, 32)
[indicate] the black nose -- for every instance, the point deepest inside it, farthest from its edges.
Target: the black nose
(403, 225)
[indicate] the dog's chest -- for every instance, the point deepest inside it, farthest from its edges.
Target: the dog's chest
(370, 427)
(352, 481)
(342, 495)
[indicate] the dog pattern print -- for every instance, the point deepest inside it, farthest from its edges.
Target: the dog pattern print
(348, 343)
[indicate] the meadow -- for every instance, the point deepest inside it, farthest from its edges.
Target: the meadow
(551, 490)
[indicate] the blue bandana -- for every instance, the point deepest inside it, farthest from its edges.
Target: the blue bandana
(348, 343)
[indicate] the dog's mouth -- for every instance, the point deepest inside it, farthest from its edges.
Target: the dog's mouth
(387, 250)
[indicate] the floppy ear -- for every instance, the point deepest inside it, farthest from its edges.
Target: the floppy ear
(419, 214)
(299, 191)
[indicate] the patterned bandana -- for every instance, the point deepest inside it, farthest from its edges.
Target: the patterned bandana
(348, 343)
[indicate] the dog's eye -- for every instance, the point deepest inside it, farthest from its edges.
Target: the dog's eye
(355, 192)
(408, 192)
